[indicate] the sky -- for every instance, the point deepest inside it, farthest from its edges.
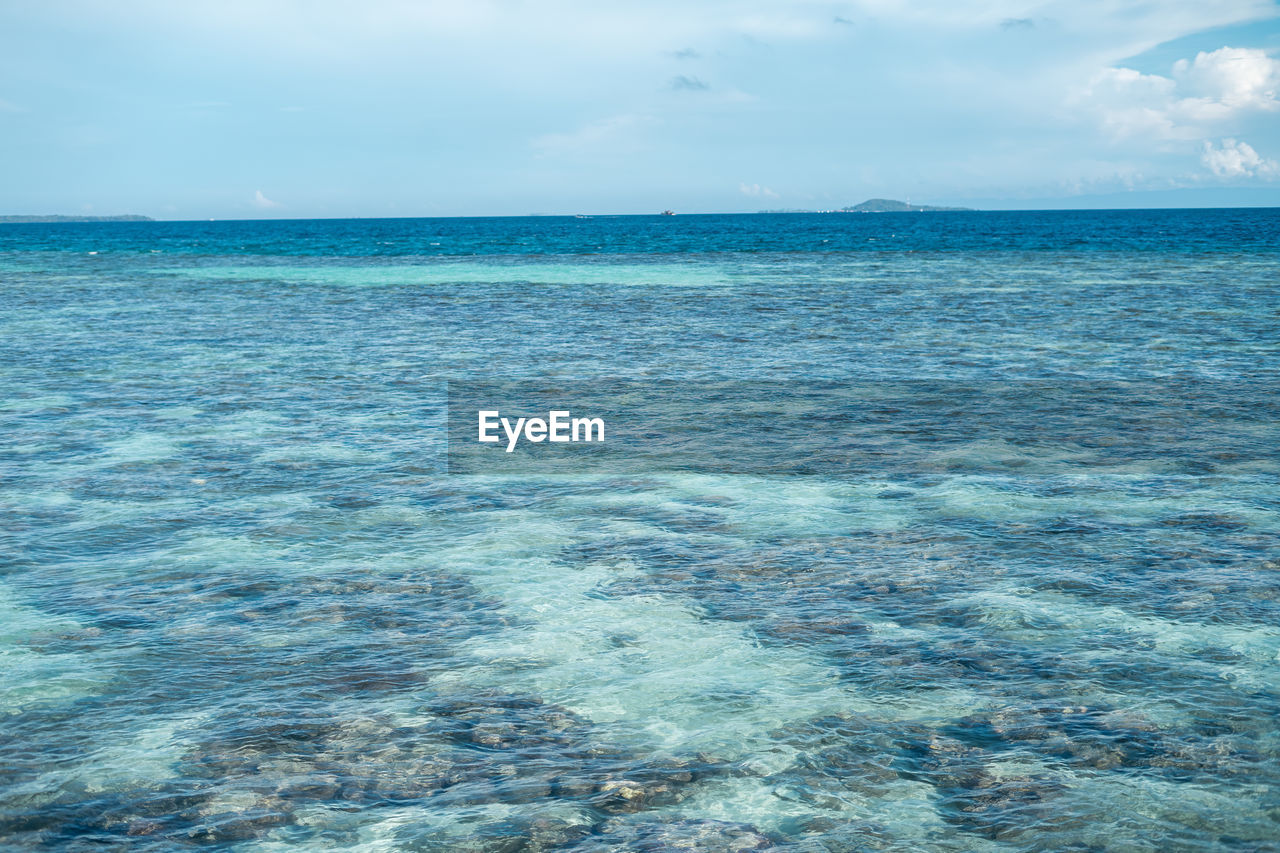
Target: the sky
(250, 109)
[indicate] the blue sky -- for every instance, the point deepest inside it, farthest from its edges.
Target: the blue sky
(269, 108)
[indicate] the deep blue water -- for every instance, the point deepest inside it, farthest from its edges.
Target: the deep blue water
(1005, 576)
(1226, 230)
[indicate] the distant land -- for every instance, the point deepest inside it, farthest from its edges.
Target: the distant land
(60, 218)
(1176, 199)
(877, 205)
(888, 205)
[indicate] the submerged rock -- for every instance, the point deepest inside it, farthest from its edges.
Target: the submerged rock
(1003, 807)
(695, 836)
(514, 835)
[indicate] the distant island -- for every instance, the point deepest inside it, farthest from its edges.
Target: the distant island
(60, 218)
(877, 205)
(888, 205)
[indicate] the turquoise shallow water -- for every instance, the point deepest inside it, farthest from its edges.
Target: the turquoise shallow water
(1025, 598)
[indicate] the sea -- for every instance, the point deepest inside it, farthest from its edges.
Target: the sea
(909, 532)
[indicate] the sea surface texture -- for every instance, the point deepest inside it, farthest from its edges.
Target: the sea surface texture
(1018, 587)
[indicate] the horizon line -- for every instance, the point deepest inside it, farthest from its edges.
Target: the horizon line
(100, 219)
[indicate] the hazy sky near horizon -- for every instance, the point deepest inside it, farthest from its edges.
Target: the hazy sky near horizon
(287, 108)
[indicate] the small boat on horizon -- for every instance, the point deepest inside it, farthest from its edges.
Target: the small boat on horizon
(668, 213)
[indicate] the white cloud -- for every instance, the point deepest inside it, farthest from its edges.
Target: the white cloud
(261, 202)
(756, 191)
(1238, 78)
(1129, 103)
(1200, 96)
(951, 99)
(1237, 160)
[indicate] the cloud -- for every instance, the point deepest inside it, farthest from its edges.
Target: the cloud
(1200, 94)
(1211, 89)
(682, 83)
(1237, 160)
(261, 202)
(1129, 103)
(1234, 77)
(955, 108)
(756, 191)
